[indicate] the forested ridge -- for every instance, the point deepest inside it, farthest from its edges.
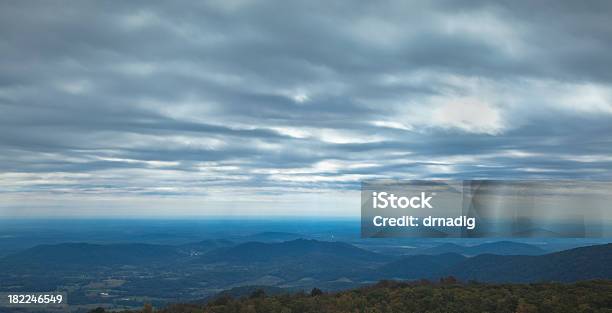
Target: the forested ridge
(445, 296)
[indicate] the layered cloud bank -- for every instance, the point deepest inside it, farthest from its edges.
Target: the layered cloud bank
(108, 106)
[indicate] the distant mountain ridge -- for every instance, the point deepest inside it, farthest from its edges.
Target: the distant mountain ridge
(78, 255)
(299, 248)
(203, 246)
(273, 236)
(305, 262)
(81, 254)
(584, 263)
(499, 247)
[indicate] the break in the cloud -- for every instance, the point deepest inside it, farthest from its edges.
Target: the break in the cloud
(283, 107)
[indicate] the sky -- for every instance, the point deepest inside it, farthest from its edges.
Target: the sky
(282, 108)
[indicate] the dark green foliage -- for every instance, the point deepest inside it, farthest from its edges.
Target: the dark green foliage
(427, 297)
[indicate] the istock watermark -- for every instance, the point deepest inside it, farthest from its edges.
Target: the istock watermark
(486, 208)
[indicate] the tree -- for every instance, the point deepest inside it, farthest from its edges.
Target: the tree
(450, 280)
(147, 308)
(316, 292)
(259, 293)
(222, 300)
(524, 307)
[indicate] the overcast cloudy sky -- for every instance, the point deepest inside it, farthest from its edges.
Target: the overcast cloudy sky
(283, 107)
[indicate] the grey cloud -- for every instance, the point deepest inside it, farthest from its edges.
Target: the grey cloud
(240, 95)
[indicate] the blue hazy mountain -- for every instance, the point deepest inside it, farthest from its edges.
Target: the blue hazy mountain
(203, 246)
(326, 257)
(500, 247)
(582, 263)
(105, 273)
(77, 255)
(84, 255)
(295, 249)
(273, 236)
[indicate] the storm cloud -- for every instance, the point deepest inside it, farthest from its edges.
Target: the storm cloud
(179, 105)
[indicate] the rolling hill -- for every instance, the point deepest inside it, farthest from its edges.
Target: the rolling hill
(304, 262)
(295, 249)
(592, 262)
(83, 255)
